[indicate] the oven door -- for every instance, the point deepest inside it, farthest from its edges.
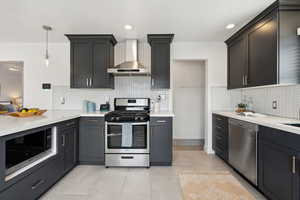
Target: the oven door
(127, 137)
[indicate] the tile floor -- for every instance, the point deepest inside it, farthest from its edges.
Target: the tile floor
(157, 183)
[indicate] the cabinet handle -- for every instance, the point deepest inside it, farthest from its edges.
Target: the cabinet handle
(161, 121)
(152, 82)
(90, 82)
(93, 120)
(243, 80)
(87, 82)
(70, 124)
(63, 140)
(246, 80)
(218, 119)
(37, 184)
(294, 165)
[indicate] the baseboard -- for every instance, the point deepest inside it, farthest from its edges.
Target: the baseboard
(188, 142)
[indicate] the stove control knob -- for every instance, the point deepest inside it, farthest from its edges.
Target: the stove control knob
(136, 118)
(117, 118)
(112, 118)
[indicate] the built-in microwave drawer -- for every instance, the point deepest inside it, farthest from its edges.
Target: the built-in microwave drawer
(33, 185)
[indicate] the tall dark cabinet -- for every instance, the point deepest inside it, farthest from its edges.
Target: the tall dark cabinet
(91, 55)
(161, 141)
(265, 51)
(160, 60)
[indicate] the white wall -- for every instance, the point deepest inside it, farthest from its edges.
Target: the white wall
(35, 71)
(189, 97)
(58, 73)
(216, 74)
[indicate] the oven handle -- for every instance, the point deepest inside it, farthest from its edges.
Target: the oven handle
(134, 123)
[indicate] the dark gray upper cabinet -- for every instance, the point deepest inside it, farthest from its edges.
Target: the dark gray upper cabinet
(265, 51)
(237, 52)
(262, 53)
(161, 141)
(91, 140)
(278, 169)
(91, 55)
(160, 60)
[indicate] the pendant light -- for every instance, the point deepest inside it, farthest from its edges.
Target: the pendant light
(47, 29)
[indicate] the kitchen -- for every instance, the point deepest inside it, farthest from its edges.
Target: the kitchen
(144, 107)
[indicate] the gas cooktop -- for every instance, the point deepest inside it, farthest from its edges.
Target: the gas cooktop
(130, 110)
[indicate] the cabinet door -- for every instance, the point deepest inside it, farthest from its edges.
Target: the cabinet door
(262, 55)
(161, 141)
(69, 143)
(237, 63)
(81, 64)
(160, 65)
(91, 140)
(102, 61)
(277, 179)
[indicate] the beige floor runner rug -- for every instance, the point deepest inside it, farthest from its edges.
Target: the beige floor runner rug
(212, 186)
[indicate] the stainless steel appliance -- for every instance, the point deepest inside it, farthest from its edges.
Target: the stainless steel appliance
(243, 148)
(23, 151)
(131, 65)
(127, 133)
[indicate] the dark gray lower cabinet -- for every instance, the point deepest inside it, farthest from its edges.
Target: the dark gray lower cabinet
(279, 164)
(161, 141)
(220, 136)
(68, 139)
(32, 183)
(91, 140)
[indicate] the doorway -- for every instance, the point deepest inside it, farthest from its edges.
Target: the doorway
(189, 102)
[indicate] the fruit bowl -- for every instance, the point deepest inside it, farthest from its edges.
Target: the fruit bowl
(36, 112)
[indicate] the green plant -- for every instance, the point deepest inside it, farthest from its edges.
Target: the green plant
(242, 105)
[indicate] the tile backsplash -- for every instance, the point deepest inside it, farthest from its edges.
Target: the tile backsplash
(287, 98)
(134, 86)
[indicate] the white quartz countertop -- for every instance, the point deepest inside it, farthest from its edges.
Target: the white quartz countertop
(265, 120)
(10, 125)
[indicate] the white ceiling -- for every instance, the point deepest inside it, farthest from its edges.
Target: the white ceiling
(190, 20)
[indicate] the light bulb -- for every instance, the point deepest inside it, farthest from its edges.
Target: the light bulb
(47, 62)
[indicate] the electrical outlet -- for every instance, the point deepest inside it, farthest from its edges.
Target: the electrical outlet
(274, 105)
(62, 100)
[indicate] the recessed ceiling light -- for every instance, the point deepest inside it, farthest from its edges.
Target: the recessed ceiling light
(230, 26)
(13, 69)
(128, 27)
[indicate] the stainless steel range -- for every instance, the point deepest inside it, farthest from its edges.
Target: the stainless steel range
(127, 133)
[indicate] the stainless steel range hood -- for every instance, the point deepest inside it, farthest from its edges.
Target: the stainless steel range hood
(131, 66)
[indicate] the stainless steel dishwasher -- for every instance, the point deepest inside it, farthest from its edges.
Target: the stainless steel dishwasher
(243, 148)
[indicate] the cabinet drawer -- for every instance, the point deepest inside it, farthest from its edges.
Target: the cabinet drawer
(220, 121)
(68, 124)
(279, 137)
(92, 121)
(33, 185)
(159, 121)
